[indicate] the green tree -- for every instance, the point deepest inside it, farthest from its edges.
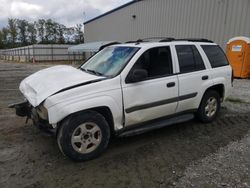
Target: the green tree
(68, 35)
(1, 40)
(60, 32)
(21, 32)
(32, 33)
(22, 26)
(12, 27)
(50, 30)
(79, 34)
(5, 37)
(40, 26)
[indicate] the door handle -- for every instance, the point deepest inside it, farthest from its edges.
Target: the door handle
(204, 77)
(171, 84)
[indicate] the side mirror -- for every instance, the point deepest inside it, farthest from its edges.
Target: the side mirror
(138, 75)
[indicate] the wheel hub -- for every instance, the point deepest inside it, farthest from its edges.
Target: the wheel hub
(211, 107)
(86, 137)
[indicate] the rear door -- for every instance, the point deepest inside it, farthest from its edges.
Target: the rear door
(221, 71)
(194, 77)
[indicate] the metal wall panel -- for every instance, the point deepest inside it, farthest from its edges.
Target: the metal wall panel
(40, 52)
(218, 20)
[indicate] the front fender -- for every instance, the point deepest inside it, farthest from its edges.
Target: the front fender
(59, 111)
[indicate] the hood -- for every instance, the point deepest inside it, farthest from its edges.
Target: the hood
(44, 83)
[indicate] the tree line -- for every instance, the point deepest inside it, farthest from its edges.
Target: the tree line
(20, 32)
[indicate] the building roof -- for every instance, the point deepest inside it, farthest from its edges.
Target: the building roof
(113, 10)
(90, 47)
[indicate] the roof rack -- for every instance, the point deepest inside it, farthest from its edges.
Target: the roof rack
(169, 39)
(152, 39)
(194, 40)
(136, 41)
(109, 44)
(157, 39)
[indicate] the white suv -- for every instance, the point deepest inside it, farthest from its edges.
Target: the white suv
(126, 89)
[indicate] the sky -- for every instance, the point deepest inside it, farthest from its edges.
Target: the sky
(67, 12)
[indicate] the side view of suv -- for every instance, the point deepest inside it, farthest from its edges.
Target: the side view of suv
(126, 89)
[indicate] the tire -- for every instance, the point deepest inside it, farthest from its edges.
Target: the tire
(205, 112)
(83, 136)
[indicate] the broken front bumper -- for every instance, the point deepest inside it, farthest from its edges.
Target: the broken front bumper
(23, 108)
(38, 114)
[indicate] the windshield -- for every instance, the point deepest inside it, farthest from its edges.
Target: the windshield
(110, 61)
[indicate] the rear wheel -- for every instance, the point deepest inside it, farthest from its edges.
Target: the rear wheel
(209, 107)
(83, 136)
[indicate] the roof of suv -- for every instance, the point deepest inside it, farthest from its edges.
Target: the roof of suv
(147, 43)
(152, 44)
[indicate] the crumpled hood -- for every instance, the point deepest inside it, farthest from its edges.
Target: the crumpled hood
(44, 83)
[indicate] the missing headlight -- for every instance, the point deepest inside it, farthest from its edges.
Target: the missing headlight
(42, 112)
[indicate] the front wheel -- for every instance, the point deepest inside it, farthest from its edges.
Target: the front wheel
(209, 107)
(83, 136)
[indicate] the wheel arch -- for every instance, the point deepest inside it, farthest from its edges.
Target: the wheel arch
(105, 111)
(220, 88)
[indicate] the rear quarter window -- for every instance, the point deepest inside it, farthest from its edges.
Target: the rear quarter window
(215, 55)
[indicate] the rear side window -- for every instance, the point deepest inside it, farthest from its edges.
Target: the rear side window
(189, 58)
(215, 55)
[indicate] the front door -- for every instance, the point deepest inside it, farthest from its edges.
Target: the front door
(155, 96)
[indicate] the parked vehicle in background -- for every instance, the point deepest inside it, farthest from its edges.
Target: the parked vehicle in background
(127, 89)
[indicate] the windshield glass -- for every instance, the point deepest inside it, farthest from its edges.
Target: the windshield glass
(110, 61)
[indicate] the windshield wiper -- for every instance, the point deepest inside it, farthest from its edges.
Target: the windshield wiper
(83, 69)
(92, 71)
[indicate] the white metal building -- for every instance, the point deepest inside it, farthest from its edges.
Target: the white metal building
(218, 20)
(40, 53)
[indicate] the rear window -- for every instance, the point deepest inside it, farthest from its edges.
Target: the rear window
(215, 55)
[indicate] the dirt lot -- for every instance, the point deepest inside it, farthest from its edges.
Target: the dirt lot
(185, 155)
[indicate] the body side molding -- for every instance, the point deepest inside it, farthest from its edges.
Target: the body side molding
(159, 103)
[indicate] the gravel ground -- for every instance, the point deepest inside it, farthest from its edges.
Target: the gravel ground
(241, 90)
(228, 167)
(190, 154)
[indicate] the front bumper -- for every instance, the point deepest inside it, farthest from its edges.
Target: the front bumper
(25, 109)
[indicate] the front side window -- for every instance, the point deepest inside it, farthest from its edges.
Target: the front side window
(215, 55)
(189, 58)
(156, 61)
(110, 61)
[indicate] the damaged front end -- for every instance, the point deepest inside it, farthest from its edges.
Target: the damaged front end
(38, 115)
(23, 109)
